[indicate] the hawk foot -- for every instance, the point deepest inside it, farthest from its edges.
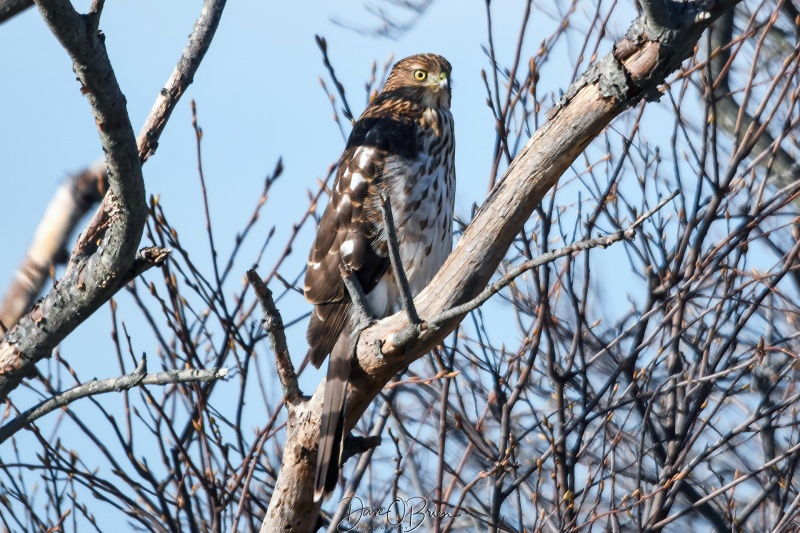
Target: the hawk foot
(354, 445)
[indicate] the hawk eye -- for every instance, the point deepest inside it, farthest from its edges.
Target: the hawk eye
(420, 75)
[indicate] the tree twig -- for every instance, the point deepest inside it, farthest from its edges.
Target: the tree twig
(199, 41)
(93, 388)
(601, 242)
(323, 46)
(273, 324)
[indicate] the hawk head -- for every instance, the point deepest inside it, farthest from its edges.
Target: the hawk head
(424, 78)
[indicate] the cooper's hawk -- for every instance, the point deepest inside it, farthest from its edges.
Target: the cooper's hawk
(402, 144)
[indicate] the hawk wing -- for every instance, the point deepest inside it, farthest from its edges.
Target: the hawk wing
(350, 227)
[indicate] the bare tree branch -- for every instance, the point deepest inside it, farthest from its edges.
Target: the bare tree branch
(93, 388)
(733, 117)
(199, 41)
(273, 323)
(96, 267)
(73, 199)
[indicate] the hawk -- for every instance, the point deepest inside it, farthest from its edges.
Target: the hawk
(402, 145)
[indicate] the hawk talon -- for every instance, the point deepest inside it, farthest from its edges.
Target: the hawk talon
(409, 334)
(355, 445)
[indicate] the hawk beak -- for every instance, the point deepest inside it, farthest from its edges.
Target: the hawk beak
(444, 84)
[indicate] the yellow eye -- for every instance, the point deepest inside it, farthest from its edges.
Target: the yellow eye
(420, 75)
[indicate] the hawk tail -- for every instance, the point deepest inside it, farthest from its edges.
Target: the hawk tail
(325, 327)
(331, 432)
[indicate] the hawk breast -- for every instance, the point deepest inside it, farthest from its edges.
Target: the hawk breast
(412, 160)
(422, 192)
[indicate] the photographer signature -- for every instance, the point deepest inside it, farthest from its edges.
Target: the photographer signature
(401, 515)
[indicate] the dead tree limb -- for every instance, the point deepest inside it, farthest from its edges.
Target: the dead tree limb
(273, 324)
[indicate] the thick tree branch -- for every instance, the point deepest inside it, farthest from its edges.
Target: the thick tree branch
(639, 63)
(9, 8)
(92, 388)
(94, 271)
